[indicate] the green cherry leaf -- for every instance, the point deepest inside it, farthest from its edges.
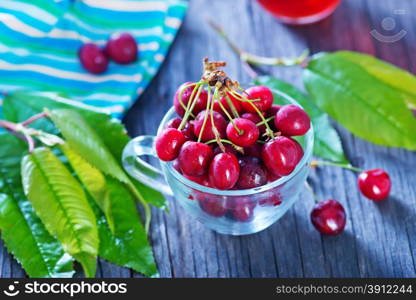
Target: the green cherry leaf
(23, 233)
(360, 102)
(61, 204)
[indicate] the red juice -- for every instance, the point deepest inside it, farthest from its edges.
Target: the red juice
(300, 11)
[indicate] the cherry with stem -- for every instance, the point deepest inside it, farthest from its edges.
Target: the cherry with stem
(229, 116)
(191, 104)
(180, 96)
(231, 105)
(269, 131)
(206, 114)
(214, 128)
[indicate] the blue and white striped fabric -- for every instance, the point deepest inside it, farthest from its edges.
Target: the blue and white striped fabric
(39, 41)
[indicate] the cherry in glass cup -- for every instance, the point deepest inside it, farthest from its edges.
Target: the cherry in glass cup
(234, 212)
(300, 12)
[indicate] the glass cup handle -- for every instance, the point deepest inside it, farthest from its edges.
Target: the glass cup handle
(141, 170)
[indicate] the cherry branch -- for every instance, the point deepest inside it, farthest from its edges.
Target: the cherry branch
(21, 131)
(34, 118)
(252, 59)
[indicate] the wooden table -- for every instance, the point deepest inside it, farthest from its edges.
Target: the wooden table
(379, 240)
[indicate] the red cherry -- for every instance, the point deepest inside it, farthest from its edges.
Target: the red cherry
(252, 173)
(374, 184)
(281, 155)
(194, 158)
(264, 98)
(93, 58)
(255, 118)
(249, 133)
(272, 177)
(224, 171)
(273, 110)
(200, 104)
(243, 209)
(224, 102)
(208, 134)
(292, 120)
(212, 205)
(188, 130)
(202, 180)
(228, 149)
(176, 166)
(328, 217)
(254, 150)
(122, 48)
(168, 144)
(173, 123)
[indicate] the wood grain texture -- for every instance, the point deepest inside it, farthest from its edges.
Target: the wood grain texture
(379, 240)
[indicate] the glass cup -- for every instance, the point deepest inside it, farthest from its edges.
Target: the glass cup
(235, 212)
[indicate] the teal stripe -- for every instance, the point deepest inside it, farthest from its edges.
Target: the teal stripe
(23, 17)
(53, 7)
(121, 23)
(69, 90)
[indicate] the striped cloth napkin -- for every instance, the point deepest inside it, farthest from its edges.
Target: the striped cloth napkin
(39, 41)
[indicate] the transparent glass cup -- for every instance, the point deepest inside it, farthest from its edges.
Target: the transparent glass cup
(235, 212)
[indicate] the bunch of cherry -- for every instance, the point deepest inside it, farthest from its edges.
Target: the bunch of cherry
(121, 48)
(233, 139)
(230, 143)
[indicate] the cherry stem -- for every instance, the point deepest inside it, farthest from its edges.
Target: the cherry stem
(316, 163)
(189, 110)
(266, 121)
(214, 128)
(255, 59)
(250, 71)
(206, 114)
(222, 141)
(186, 107)
(34, 118)
(310, 189)
(239, 131)
(231, 105)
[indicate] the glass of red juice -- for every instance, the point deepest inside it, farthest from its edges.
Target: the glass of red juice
(300, 12)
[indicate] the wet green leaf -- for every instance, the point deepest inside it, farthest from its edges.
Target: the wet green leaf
(40, 254)
(19, 106)
(93, 180)
(60, 202)
(128, 246)
(360, 102)
(399, 79)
